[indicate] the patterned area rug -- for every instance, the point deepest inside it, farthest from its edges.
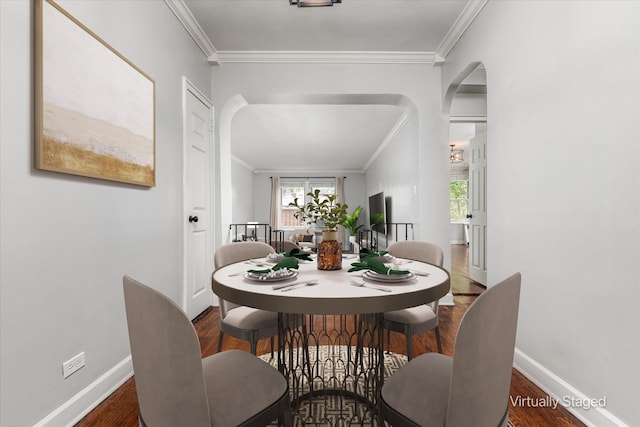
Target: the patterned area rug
(330, 410)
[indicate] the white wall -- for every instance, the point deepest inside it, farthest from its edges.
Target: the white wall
(563, 200)
(419, 83)
(397, 173)
(66, 240)
(243, 194)
(468, 105)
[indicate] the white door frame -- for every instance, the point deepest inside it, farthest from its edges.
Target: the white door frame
(188, 87)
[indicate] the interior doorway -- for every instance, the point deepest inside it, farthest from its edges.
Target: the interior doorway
(197, 213)
(461, 283)
(467, 104)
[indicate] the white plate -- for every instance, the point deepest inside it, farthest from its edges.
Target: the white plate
(275, 258)
(264, 278)
(388, 278)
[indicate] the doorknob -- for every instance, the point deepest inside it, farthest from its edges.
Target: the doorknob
(193, 218)
(468, 216)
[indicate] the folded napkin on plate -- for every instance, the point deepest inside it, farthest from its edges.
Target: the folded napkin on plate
(368, 253)
(289, 262)
(375, 265)
(297, 253)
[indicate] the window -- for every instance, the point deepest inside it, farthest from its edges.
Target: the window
(290, 189)
(458, 199)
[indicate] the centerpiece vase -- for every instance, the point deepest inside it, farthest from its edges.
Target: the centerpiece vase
(329, 251)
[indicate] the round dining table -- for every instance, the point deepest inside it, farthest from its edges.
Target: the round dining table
(330, 327)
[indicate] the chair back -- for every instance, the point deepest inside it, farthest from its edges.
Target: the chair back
(235, 252)
(288, 245)
(483, 357)
(417, 251)
(166, 359)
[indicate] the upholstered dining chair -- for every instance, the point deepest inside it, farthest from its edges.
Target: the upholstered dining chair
(414, 320)
(287, 245)
(176, 387)
(472, 387)
(246, 323)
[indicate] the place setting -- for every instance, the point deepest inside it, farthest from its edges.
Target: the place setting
(374, 269)
(291, 253)
(284, 269)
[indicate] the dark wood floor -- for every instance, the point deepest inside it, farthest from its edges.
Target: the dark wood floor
(120, 409)
(461, 283)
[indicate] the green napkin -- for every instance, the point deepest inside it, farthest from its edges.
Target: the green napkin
(376, 265)
(289, 262)
(368, 253)
(297, 253)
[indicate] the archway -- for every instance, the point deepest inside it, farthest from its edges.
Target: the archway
(407, 120)
(466, 104)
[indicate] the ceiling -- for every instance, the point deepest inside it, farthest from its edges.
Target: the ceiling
(271, 137)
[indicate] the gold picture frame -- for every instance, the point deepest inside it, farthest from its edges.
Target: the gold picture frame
(95, 110)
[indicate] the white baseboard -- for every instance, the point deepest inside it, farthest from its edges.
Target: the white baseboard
(564, 393)
(88, 398)
(447, 299)
(74, 409)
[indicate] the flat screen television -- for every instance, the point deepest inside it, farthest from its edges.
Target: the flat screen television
(377, 213)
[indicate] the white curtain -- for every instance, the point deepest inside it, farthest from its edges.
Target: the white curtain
(274, 219)
(340, 199)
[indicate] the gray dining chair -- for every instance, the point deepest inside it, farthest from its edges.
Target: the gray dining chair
(287, 245)
(414, 320)
(246, 323)
(472, 387)
(177, 387)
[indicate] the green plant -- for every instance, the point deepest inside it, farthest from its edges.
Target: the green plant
(351, 221)
(322, 210)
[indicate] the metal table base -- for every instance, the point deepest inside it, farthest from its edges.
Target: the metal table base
(334, 365)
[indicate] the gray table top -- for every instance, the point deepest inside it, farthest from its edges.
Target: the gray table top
(334, 293)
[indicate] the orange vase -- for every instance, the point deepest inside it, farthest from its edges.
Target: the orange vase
(329, 251)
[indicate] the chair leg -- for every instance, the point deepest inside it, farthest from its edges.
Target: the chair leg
(254, 345)
(220, 338)
(286, 419)
(388, 341)
(437, 331)
(272, 347)
(409, 346)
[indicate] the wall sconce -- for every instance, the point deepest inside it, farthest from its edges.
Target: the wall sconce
(456, 155)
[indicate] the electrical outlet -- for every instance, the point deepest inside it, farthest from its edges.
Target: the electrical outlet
(72, 365)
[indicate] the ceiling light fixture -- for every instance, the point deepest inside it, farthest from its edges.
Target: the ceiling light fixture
(456, 155)
(313, 3)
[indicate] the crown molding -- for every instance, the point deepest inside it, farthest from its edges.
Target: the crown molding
(243, 163)
(186, 18)
(466, 17)
(329, 57)
(468, 119)
(391, 136)
(308, 172)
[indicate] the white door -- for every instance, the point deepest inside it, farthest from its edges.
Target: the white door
(478, 208)
(198, 137)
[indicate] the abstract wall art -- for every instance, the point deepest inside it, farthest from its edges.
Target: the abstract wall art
(95, 110)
